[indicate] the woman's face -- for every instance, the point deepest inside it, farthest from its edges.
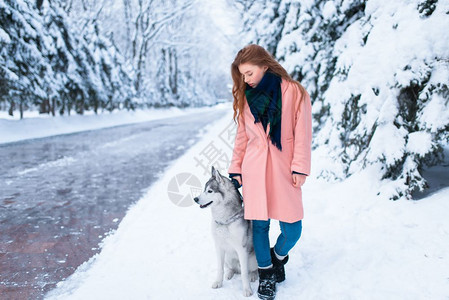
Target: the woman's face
(252, 74)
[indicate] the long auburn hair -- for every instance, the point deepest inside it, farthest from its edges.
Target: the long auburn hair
(255, 55)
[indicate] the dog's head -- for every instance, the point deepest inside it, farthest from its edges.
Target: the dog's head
(215, 190)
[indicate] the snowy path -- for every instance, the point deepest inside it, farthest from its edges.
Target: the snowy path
(354, 245)
(60, 195)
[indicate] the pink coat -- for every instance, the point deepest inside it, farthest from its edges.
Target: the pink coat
(267, 186)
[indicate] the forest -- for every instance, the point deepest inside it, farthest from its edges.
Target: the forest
(64, 57)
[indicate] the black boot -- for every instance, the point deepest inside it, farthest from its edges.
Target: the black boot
(278, 266)
(267, 284)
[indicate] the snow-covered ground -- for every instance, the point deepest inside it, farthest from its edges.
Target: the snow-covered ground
(354, 244)
(34, 125)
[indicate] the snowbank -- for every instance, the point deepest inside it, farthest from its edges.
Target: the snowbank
(13, 129)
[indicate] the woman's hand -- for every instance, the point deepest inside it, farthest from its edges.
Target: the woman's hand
(298, 179)
(238, 178)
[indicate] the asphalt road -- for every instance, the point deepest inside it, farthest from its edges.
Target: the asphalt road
(60, 196)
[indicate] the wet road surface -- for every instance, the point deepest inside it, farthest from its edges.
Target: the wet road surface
(60, 196)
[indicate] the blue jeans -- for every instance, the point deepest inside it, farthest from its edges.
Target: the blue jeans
(290, 234)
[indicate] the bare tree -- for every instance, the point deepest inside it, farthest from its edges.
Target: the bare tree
(149, 23)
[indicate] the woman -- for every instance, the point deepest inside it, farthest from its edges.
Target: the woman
(271, 156)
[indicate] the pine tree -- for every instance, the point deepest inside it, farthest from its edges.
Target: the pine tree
(22, 64)
(373, 104)
(49, 63)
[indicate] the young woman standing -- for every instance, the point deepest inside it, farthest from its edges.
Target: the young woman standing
(271, 156)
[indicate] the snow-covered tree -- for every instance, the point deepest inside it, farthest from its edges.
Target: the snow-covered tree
(378, 74)
(170, 45)
(22, 64)
(48, 63)
(263, 21)
(65, 56)
(172, 52)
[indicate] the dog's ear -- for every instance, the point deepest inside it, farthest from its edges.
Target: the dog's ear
(216, 174)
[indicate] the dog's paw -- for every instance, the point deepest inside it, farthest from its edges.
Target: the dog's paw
(229, 274)
(247, 292)
(253, 276)
(217, 284)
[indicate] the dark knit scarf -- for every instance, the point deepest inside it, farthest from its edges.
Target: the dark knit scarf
(265, 103)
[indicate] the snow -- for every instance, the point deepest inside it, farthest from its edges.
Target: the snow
(34, 125)
(355, 245)
(65, 162)
(418, 142)
(388, 55)
(387, 143)
(435, 115)
(4, 37)
(329, 10)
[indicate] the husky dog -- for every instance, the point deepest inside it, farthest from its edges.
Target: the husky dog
(231, 232)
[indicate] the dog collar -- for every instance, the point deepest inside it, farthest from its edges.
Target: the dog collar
(231, 219)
